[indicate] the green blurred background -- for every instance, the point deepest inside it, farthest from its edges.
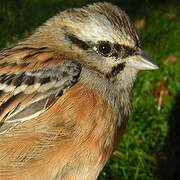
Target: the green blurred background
(150, 148)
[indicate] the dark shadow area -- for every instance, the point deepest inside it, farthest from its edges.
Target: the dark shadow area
(28, 14)
(169, 162)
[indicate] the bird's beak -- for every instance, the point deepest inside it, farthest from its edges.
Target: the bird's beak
(141, 62)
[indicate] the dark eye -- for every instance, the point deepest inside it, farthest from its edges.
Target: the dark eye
(104, 48)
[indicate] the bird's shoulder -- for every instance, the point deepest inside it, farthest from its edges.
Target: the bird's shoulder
(31, 80)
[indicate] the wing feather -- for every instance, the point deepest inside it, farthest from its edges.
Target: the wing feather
(31, 80)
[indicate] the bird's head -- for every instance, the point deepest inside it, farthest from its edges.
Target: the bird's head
(100, 36)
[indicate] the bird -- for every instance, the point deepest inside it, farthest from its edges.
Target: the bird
(66, 93)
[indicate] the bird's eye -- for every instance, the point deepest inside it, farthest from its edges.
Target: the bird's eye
(104, 48)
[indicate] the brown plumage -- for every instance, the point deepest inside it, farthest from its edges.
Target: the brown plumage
(65, 94)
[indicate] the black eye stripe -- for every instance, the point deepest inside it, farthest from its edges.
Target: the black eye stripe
(117, 47)
(81, 44)
(125, 51)
(107, 49)
(129, 50)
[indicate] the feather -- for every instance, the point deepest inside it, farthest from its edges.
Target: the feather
(27, 90)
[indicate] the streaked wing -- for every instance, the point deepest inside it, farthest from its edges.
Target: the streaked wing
(31, 80)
